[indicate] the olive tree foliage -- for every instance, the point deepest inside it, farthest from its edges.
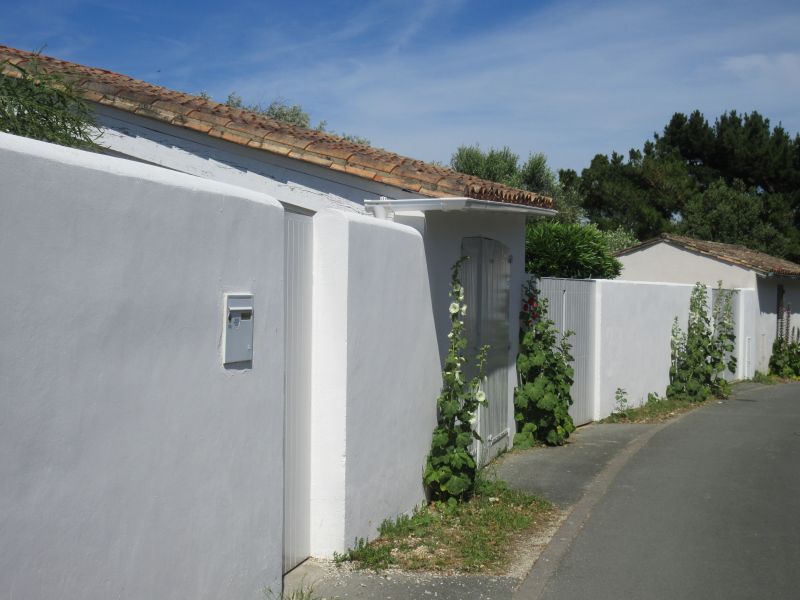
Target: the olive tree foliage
(504, 166)
(618, 239)
(44, 106)
(294, 114)
(279, 109)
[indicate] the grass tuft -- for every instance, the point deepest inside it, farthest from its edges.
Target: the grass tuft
(655, 410)
(301, 593)
(471, 536)
(766, 378)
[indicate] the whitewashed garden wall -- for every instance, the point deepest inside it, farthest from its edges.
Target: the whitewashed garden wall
(133, 464)
(622, 332)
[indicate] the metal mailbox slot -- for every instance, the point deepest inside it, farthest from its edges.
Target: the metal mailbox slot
(238, 328)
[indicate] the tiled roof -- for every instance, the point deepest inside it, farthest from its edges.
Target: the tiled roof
(256, 131)
(729, 253)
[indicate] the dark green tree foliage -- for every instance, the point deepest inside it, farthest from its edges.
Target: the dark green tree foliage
(643, 194)
(736, 181)
(736, 148)
(736, 215)
(542, 397)
(44, 106)
(571, 250)
(450, 470)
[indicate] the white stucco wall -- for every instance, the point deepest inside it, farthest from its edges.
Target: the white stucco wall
(444, 232)
(376, 376)
(133, 465)
(664, 262)
(633, 332)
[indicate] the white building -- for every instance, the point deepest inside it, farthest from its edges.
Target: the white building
(773, 283)
(148, 449)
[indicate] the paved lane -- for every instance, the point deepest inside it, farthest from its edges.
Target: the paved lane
(708, 508)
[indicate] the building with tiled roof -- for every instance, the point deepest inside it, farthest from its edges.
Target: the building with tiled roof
(216, 243)
(199, 115)
(774, 283)
(734, 254)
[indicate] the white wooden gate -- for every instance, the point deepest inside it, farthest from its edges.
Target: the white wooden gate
(571, 307)
(297, 411)
(486, 277)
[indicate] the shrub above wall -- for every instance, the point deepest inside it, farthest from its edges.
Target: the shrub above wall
(568, 250)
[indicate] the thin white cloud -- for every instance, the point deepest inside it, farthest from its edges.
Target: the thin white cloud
(570, 79)
(784, 67)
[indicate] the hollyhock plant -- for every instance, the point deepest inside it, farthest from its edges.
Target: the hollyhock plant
(450, 470)
(542, 397)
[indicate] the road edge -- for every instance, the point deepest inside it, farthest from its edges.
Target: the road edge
(535, 582)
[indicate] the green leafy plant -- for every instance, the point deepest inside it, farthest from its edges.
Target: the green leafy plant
(701, 354)
(450, 470)
(655, 410)
(542, 397)
(785, 359)
(723, 340)
(571, 250)
(618, 239)
(621, 403)
(281, 110)
(44, 106)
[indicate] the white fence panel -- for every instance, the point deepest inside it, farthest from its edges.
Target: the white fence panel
(572, 308)
(297, 425)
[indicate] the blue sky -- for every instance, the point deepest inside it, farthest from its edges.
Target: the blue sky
(570, 79)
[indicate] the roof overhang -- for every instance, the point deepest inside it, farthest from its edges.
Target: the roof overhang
(386, 207)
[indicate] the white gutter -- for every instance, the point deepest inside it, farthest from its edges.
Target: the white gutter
(386, 208)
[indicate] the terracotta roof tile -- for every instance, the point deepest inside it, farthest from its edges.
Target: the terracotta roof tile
(194, 124)
(336, 149)
(211, 116)
(177, 108)
(730, 253)
(310, 157)
(257, 131)
(399, 182)
(270, 146)
(418, 171)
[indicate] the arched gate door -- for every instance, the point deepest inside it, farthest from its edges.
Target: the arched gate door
(486, 277)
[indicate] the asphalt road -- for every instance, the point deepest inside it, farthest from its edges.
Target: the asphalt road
(708, 507)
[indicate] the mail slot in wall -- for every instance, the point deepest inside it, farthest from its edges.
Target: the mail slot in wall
(238, 328)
